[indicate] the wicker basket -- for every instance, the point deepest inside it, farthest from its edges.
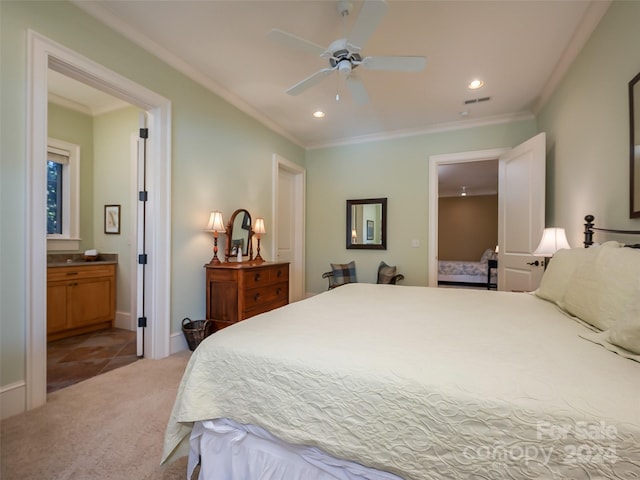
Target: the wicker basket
(196, 330)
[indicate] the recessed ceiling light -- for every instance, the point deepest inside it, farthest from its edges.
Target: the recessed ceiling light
(476, 84)
(319, 114)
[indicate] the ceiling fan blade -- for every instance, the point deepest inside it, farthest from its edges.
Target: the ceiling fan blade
(296, 42)
(401, 64)
(368, 19)
(357, 89)
(309, 81)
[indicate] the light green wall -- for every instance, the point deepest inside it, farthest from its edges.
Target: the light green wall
(112, 185)
(221, 159)
(75, 127)
(399, 170)
(587, 125)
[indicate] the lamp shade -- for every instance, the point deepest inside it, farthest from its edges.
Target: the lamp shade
(216, 223)
(259, 226)
(553, 239)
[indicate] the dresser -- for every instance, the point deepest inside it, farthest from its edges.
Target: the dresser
(236, 291)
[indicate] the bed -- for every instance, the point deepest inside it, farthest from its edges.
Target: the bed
(483, 273)
(388, 382)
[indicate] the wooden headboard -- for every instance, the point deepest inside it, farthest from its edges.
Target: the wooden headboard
(589, 229)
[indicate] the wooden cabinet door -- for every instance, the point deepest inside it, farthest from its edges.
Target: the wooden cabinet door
(56, 307)
(90, 301)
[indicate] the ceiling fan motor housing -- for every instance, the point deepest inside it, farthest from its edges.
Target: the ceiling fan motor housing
(345, 60)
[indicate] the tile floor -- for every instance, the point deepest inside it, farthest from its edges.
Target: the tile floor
(74, 359)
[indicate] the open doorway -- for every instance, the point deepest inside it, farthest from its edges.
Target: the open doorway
(104, 129)
(456, 162)
(468, 224)
(44, 54)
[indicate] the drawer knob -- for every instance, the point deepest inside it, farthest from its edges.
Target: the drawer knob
(278, 291)
(257, 277)
(72, 273)
(279, 274)
(256, 297)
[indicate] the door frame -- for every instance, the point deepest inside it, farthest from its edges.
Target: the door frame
(297, 284)
(42, 54)
(434, 162)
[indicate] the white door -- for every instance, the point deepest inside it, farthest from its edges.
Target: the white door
(521, 214)
(289, 188)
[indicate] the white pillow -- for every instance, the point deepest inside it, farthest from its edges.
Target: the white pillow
(488, 254)
(625, 332)
(559, 271)
(603, 290)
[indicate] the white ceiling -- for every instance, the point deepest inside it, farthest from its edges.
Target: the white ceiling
(520, 49)
(477, 178)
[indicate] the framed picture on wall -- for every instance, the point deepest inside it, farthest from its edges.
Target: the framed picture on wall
(112, 219)
(369, 229)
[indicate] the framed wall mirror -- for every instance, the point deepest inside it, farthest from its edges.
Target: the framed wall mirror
(239, 233)
(367, 224)
(634, 151)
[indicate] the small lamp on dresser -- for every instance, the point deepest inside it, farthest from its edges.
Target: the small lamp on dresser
(259, 230)
(215, 225)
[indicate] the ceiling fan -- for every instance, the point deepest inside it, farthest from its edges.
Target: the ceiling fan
(344, 55)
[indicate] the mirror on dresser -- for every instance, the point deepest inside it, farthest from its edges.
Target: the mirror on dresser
(239, 233)
(367, 224)
(634, 123)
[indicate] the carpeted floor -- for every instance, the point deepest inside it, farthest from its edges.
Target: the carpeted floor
(107, 427)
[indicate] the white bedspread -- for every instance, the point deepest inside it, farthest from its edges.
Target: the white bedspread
(425, 383)
(467, 272)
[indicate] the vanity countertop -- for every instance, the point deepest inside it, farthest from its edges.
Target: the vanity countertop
(77, 259)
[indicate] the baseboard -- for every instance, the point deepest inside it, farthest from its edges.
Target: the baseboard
(12, 399)
(124, 320)
(177, 343)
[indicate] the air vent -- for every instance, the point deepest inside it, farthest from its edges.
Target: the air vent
(477, 100)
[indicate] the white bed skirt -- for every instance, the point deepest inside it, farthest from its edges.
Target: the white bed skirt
(230, 450)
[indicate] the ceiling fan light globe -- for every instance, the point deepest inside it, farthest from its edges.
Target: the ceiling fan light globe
(344, 67)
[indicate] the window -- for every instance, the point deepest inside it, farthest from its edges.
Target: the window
(63, 194)
(55, 191)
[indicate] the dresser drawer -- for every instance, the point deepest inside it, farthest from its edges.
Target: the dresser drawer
(266, 307)
(267, 294)
(279, 273)
(58, 274)
(256, 278)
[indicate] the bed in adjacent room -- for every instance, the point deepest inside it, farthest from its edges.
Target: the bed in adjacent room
(387, 382)
(483, 273)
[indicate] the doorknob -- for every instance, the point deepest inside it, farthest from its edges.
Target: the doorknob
(535, 264)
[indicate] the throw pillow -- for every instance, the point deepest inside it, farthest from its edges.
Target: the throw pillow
(386, 273)
(344, 273)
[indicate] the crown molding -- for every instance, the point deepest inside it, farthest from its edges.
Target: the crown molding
(442, 127)
(117, 24)
(68, 104)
